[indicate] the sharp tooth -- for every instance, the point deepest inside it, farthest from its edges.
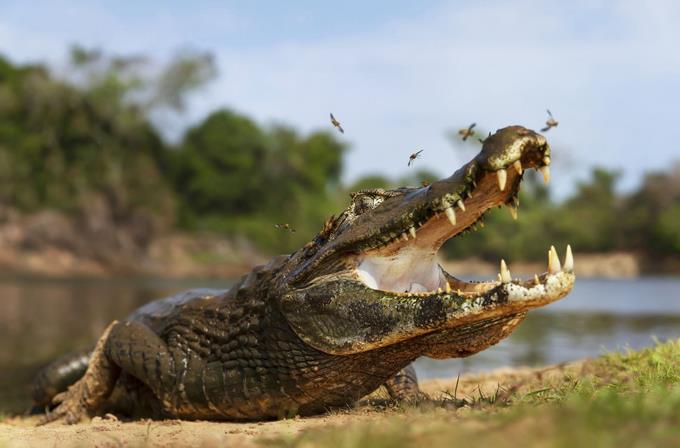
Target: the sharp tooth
(448, 288)
(513, 212)
(458, 292)
(404, 236)
(546, 160)
(553, 261)
(545, 171)
(451, 215)
(412, 231)
(518, 166)
(505, 273)
(536, 280)
(460, 204)
(569, 260)
(439, 290)
(502, 178)
(500, 279)
(481, 224)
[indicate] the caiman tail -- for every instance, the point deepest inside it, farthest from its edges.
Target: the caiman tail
(58, 376)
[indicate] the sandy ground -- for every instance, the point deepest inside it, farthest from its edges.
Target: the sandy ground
(102, 432)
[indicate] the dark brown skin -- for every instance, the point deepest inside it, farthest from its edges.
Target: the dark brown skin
(304, 334)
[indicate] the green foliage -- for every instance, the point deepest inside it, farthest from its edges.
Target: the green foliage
(61, 145)
(652, 219)
(219, 166)
(667, 229)
(65, 144)
(233, 177)
(591, 216)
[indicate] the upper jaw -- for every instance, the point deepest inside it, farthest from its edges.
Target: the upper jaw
(421, 220)
(435, 213)
(405, 262)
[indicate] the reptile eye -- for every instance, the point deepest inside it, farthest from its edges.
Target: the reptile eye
(366, 203)
(363, 205)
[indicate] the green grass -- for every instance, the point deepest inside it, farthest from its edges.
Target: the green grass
(618, 400)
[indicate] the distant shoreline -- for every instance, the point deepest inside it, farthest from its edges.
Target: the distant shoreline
(183, 256)
(589, 265)
(53, 245)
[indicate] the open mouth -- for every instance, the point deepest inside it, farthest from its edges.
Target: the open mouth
(406, 264)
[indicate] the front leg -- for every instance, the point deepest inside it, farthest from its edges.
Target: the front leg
(84, 397)
(131, 347)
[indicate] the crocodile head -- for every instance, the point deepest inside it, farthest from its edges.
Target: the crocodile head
(371, 278)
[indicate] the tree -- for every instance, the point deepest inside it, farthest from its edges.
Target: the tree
(652, 215)
(219, 167)
(61, 144)
(236, 178)
(70, 144)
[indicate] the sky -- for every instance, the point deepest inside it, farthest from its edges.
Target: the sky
(400, 74)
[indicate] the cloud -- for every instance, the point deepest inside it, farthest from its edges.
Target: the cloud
(605, 72)
(45, 28)
(608, 71)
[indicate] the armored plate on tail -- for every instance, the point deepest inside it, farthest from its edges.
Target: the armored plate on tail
(328, 324)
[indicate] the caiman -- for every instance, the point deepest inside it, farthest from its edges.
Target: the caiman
(328, 324)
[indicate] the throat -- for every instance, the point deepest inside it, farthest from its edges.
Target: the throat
(411, 269)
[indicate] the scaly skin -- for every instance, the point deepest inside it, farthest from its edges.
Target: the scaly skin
(326, 325)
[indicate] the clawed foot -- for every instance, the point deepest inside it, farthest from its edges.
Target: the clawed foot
(89, 393)
(71, 406)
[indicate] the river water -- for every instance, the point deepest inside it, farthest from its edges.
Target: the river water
(42, 319)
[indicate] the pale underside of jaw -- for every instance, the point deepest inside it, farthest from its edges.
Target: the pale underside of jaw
(410, 266)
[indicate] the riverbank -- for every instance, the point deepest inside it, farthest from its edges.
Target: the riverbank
(605, 265)
(615, 400)
(51, 244)
(184, 256)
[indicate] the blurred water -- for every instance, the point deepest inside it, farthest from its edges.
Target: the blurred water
(42, 319)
